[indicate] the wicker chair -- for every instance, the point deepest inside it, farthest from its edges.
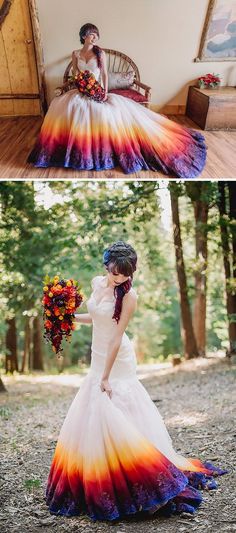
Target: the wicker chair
(119, 62)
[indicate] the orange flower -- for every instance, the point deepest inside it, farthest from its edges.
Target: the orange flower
(48, 324)
(57, 311)
(48, 313)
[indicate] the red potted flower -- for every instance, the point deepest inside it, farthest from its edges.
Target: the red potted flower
(209, 81)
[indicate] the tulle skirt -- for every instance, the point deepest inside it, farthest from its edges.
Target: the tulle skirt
(82, 134)
(114, 457)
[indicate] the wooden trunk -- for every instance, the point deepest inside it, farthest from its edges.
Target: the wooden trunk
(19, 83)
(212, 109)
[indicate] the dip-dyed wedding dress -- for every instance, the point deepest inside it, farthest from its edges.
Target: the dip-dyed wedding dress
(80, 133)
(114, 457)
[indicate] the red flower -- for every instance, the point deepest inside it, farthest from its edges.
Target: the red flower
(65, 326)
(48, 324)
(46, 300)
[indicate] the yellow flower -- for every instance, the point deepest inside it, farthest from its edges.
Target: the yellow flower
(56, 279)
(60, 317)
(50, 294)
(69, 284)
(48, 313)
(45, 288)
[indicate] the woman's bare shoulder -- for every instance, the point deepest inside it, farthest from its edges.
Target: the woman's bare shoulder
(96, 280)
(131, 296)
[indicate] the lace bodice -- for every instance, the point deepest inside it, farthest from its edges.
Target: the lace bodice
(91, 64)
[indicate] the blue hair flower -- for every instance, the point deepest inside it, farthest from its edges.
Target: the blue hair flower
(106, 256)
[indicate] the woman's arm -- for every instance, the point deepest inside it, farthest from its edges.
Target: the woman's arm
(104, 74)
(128, 308)
(83, 318)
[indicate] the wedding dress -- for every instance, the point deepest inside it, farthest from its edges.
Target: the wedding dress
(115, 457)
(80, 133)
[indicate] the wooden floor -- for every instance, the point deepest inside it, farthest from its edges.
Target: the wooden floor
(18, 135)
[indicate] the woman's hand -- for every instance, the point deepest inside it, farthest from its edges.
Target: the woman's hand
(106, 387)
(105, 98)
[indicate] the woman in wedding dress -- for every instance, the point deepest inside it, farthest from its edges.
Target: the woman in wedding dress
(114, 456)
(83, 134)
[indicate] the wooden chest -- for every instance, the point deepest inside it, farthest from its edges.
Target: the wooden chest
(212, 109)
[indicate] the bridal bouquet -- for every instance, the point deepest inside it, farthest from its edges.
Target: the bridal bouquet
(86, 83)
(61, 299)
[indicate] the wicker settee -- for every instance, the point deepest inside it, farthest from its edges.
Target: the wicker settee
(119, 62)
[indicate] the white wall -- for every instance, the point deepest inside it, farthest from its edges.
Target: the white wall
(161, 36)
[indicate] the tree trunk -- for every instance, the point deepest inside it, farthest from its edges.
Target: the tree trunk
(232, 215)
(187, 333)
(11, 346)
(225, 242)
(37, 363)
(26, 354)
(2, 386)
(201, 210)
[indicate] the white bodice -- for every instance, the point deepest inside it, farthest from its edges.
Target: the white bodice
(91, 64)
(100, 306)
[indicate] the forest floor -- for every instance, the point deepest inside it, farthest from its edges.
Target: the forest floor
(196, 401)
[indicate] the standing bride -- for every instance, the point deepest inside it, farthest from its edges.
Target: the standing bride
(83, 134)
(114, 456)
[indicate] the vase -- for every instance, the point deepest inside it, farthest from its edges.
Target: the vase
(205, 86)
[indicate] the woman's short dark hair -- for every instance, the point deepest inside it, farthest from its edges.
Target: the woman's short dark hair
(86, 29)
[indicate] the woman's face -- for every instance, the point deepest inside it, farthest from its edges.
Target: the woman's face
(91, 38)
(114, 278)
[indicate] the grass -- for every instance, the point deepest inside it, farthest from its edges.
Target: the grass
(5, 413)
(32, 484)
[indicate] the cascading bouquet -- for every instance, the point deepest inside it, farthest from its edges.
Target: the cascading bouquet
(86, 83)
(61, 299)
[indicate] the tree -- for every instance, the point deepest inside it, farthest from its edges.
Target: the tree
(11, 346)
(227, 223)
(200, 195)
(188, 336)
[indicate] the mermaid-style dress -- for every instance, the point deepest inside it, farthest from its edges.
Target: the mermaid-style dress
(114, 457)
(80, 133)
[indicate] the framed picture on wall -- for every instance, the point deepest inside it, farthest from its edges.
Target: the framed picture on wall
(218, 41)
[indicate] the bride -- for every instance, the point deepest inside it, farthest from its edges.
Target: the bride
(83, 134)
(114, 456)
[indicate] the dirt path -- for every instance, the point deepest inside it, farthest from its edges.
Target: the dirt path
(196, 401)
